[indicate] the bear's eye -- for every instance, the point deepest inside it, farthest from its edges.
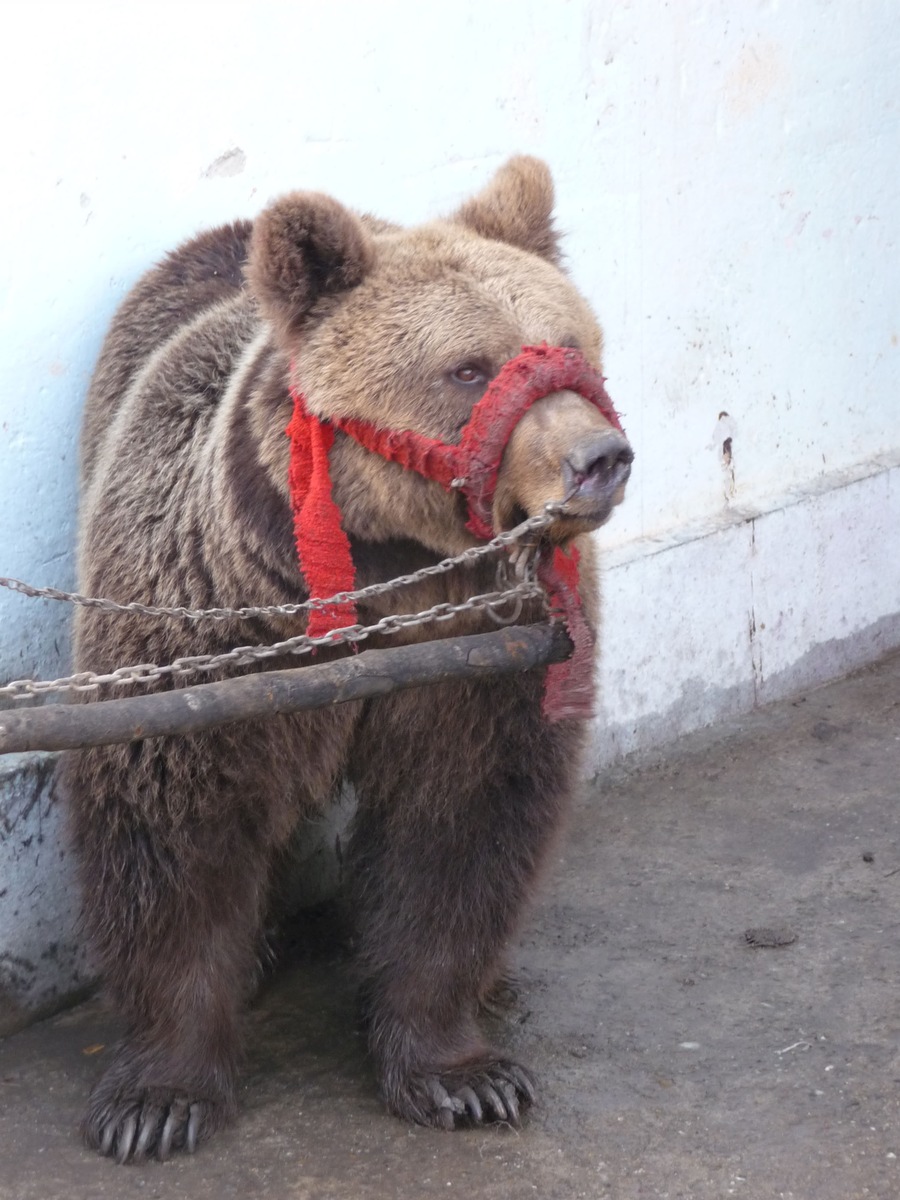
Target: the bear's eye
(469, 374)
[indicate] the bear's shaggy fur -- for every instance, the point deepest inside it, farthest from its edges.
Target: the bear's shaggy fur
(461, 787)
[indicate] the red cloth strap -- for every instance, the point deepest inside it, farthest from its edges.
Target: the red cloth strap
(568, 686)
(322, 545)
(439, 461)
(531, 375)
(475, 462)
(472, 466)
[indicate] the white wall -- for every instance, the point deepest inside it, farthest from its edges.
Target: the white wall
(726, 172)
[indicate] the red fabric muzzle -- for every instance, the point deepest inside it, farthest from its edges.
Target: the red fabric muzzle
(472, 467)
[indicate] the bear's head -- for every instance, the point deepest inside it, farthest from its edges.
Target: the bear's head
(405, 328)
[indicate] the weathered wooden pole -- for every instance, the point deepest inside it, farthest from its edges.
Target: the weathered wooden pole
(371, 673)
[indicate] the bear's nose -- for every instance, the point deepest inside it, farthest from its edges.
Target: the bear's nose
(597, 465)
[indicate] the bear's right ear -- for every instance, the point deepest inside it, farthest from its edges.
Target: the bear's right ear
(304, 246)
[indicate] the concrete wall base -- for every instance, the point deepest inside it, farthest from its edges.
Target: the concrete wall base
(749, 610)
(43, 962)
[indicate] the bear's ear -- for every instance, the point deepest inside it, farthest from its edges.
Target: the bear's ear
(516, 207)
(304, 246)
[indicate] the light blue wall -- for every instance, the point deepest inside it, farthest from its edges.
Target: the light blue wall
(726, 176)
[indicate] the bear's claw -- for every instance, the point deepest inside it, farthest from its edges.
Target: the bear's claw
(150, 1129)
(498, 1091)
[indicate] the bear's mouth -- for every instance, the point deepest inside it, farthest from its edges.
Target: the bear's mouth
(589, 498)
(594, 478)
(593, 494)
(595, 473)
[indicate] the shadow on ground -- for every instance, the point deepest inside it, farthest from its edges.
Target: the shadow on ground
(678, 1058)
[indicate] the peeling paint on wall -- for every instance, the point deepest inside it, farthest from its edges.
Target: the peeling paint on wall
(759, 70)
(722, 443)
(227, 165)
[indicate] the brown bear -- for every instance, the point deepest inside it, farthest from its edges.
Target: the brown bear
(186, 500)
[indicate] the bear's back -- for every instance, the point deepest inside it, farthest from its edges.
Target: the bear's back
(201, 273)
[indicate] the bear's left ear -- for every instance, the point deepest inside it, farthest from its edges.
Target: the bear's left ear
(304, 246)
(516, 207)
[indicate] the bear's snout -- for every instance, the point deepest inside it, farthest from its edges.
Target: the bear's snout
(563, 452)
(596, 470)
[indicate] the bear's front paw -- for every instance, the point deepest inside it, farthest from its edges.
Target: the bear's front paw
(496, 1090)
(135, 1112)
(131, 1128)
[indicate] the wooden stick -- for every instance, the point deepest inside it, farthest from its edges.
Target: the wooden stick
(372, 673)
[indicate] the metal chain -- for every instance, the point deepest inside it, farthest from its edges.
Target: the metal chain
(521, 564)
(88, 681)
(466, 558)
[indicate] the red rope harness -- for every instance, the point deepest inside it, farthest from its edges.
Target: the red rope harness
(471, 466)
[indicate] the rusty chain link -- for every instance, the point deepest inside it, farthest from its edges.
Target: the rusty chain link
(521, 562)
(467, 557)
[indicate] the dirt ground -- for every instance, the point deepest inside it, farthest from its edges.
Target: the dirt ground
(677, 1058)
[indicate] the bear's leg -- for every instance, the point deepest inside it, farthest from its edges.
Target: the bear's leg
(461, 791)
(174, 902)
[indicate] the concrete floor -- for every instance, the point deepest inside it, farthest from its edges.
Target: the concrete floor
(677, 1059)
